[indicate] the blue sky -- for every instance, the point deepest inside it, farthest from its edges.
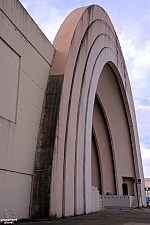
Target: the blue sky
(131, 19)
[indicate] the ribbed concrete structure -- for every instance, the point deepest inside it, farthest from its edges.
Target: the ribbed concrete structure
(70, 131)
(90, 63)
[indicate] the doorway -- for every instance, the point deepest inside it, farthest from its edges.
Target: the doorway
(125, 188)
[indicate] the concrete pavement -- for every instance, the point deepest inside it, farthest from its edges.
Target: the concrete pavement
(105, 217)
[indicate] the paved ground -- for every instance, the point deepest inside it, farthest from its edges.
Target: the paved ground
(105, 217)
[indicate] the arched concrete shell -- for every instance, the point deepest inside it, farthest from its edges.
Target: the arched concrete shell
(85, 42)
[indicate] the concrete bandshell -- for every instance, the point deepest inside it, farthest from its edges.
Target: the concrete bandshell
(85, 62)
(85, 42)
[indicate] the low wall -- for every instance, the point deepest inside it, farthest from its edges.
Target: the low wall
(121, 201)
(97, 203)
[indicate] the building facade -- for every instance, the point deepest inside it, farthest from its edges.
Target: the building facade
(68, 132)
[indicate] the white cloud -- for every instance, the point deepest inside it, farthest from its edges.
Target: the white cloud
(146, 161)
(143, 121)
(143, 107)
(48, 17)
(137, 59)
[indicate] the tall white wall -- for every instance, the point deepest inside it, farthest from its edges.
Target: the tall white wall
(25, 61)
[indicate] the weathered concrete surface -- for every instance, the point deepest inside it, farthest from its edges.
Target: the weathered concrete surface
(106, 217)
(45, 148)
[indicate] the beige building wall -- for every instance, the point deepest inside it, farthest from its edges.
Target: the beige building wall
(147, 182)
(147, 185)
(25, 61)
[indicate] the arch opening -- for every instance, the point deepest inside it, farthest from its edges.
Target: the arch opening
(113, 142)
(102, 145)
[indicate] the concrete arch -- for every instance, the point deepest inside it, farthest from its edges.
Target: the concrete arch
(105, 150)
(98, 159)
(84, 44)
